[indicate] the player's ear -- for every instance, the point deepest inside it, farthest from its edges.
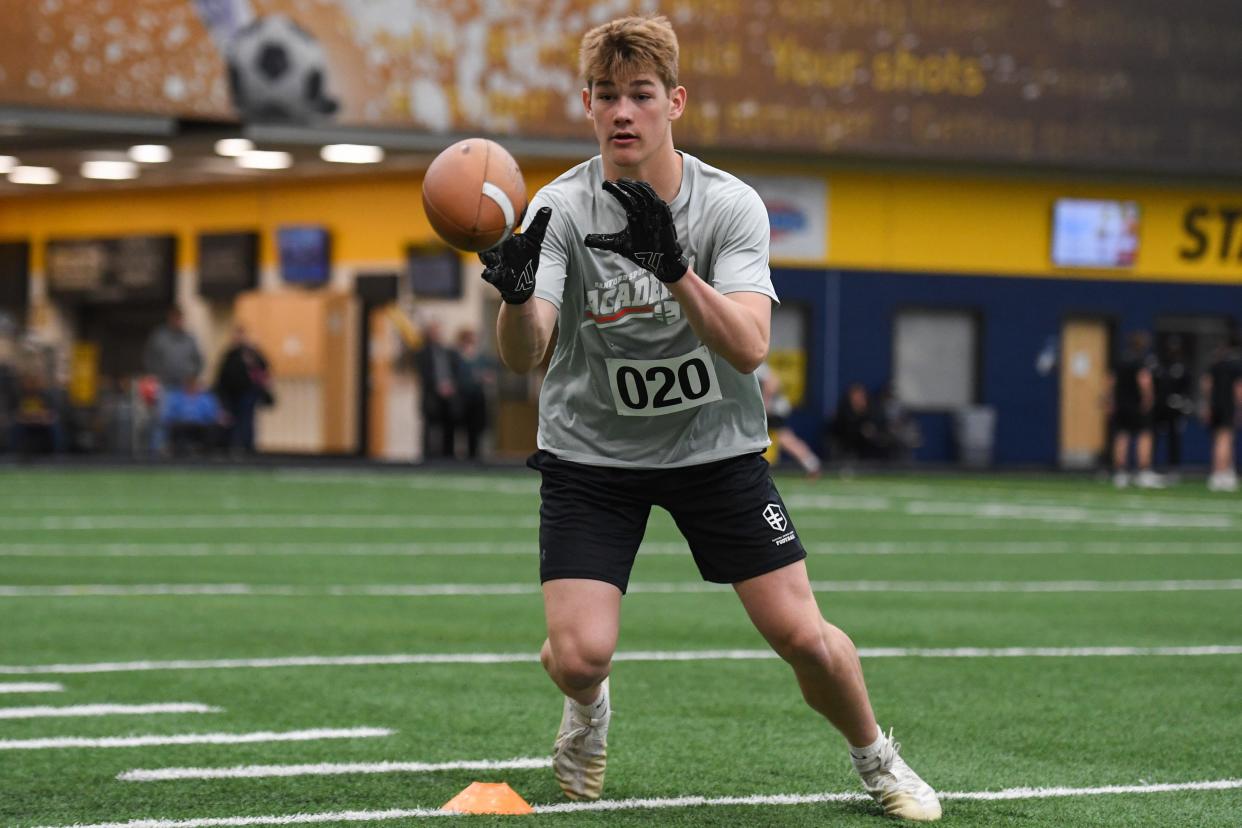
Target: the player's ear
(586, 102)
(676, 103)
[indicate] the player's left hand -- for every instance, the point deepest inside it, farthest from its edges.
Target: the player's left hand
(650, 237)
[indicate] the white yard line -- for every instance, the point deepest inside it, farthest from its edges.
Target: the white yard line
(78, 710)
(199, 521)
(631, 655)
(31, 687)
(670, 802)
(661, 548)
(331, 769)
(62, 742)
(1070, 514)
(432, 482)
(651, 587)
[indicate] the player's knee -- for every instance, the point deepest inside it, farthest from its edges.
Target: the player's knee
(805, 644)
(580, 666)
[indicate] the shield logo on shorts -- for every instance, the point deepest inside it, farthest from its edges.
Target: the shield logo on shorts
(775, 516)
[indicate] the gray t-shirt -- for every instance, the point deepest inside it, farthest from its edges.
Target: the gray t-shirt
(630, 384)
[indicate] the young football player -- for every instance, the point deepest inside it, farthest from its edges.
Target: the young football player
(653, 266)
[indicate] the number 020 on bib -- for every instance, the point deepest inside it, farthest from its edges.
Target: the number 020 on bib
(652, 387)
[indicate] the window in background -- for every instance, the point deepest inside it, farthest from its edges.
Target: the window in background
(936, 358)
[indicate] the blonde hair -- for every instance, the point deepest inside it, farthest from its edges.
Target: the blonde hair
(627, 47)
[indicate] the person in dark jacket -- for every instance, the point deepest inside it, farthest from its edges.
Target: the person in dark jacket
(242, 384)
(439, 372)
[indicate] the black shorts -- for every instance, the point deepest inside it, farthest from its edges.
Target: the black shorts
(1132, 420)
(592, 518)
(1223, 416)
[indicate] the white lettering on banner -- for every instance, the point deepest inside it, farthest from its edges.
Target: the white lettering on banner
(653, 387)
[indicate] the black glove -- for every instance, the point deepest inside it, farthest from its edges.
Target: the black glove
(511, 265)
(650, 237)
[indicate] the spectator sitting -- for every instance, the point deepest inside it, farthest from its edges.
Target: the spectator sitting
(899, 432)
(172, 356)
(35, 420)
(854, 431)
(193, 418)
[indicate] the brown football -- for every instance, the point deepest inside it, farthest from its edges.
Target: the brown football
(474, 194)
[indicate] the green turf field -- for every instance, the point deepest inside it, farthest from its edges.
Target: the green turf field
(407, 603)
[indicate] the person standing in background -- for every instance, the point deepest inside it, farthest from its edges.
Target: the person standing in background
(438, 375)
(171, 356)
(1222, 400)
(242, 384)
(476, 375)
(1131, 400)
(1174, 399)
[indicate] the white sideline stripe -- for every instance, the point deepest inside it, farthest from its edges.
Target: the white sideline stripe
(45, 712)
(329, 769)
(196, 739)
(468, 522)
(31, 687)
(1069, 514)
(671, 802)
(632, 655)
(653, 587)
(673, 548)
(458, 483)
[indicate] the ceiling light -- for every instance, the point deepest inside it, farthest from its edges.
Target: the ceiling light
(233, 147)
(7, 163)
(265, 160)
(109, 170)
(34, 175)
(352, 154)
(150, 153)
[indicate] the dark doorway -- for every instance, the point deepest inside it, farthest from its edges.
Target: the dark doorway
(374, 291)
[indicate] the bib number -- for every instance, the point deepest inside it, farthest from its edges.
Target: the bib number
(652, 387)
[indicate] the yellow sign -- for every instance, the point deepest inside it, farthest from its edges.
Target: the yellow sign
(84, 373)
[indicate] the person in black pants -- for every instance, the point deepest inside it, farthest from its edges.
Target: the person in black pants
(1174, 399)
(1133, 397)
(242, 384)
(476, 374)
(439, 372)
(1222, 400)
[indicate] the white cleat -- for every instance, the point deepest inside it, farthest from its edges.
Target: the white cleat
(1121, 480)
(898, 789)
(1223, 482)
(1148, 479)
(580, 754)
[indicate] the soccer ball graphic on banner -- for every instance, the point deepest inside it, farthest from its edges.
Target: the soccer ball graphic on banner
(278, 73)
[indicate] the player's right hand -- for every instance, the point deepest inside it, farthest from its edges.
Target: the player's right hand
(511, 265)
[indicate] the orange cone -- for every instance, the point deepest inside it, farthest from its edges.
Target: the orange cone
(488, 798)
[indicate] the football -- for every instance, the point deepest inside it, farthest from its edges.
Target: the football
(474, 194)
(278, 73)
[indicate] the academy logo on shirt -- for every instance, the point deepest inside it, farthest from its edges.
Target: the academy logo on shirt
(636, 295)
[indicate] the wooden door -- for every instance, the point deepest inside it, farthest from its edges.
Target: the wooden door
(1084, 376)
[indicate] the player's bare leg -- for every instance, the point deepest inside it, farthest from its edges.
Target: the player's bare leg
(1121, 459)
(583, 618)
(825, 661)
(792, 443)
(1224, 477)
